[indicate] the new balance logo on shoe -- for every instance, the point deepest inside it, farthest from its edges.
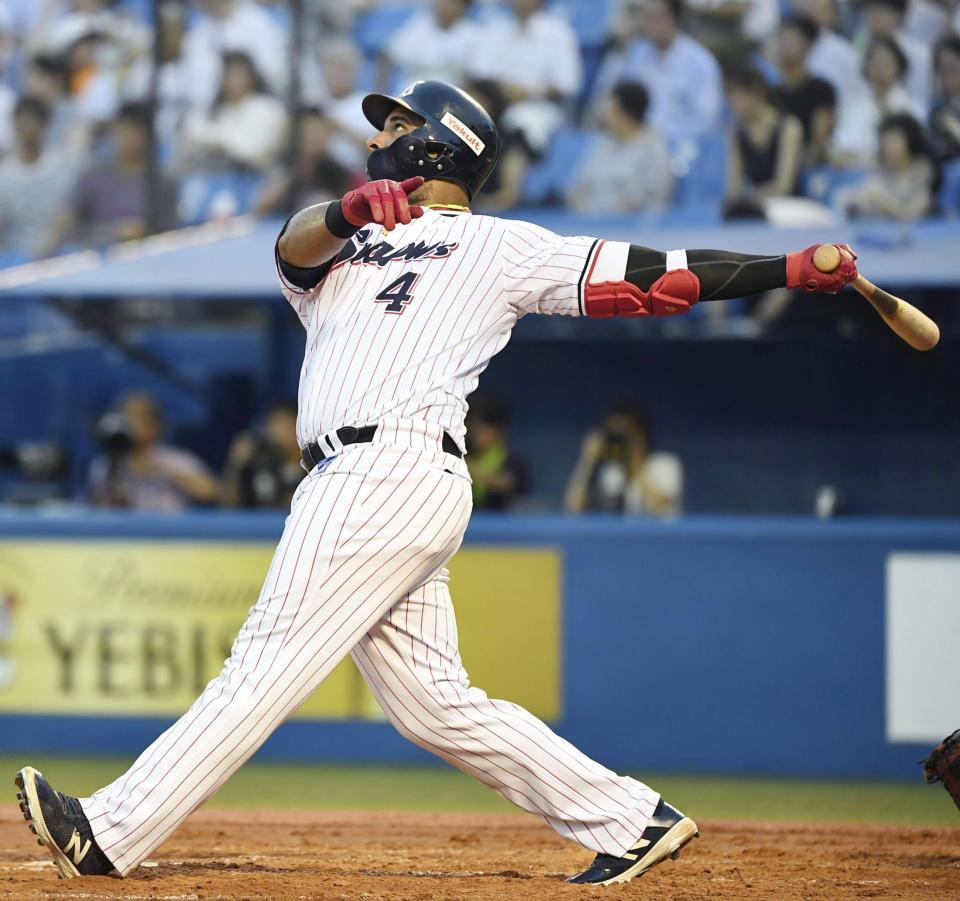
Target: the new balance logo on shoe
(76, 848)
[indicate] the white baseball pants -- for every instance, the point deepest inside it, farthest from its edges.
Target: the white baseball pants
(360, 568)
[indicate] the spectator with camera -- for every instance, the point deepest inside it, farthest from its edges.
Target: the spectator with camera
(135, 470)
(263, 467)
(618, 471)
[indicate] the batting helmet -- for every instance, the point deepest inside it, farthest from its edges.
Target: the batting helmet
(457, 141)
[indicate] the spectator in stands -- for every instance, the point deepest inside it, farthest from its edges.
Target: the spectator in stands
(862, 110)
(945, 116)
(173, 86)
(730, 29)
(832, 57)
(315, 177)
(35, 183)
(681, 75)
(240, 26)
(136, 470)
(263, 467)
(499, 475)
(884, 19)
(247, 126)
(766, 147)
(92, 85)
(618, 472)
(929, 20)
(45, 78)
(810, 99)
(341, 106)
(434, 43)
(533, 56)
(111, 201)
(627, 168)
(904, 184)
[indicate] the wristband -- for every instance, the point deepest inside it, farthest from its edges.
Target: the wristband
(337, 223)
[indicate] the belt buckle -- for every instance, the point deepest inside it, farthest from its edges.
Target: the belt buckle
(348, 434)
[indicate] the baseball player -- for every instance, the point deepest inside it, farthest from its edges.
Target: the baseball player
(405, 296)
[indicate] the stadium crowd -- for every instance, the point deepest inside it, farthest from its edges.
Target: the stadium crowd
(122, 117)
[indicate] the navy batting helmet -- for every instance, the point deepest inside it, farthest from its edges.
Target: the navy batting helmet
(457, 141)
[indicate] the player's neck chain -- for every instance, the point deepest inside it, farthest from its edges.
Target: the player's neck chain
(447, 206)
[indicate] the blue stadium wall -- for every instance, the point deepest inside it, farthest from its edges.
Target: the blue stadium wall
(734, 645)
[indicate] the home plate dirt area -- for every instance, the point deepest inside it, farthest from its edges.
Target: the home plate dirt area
(221, 853)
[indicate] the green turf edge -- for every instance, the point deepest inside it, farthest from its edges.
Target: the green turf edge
(336, 787)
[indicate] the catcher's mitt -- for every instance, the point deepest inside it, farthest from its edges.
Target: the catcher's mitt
(943, 765)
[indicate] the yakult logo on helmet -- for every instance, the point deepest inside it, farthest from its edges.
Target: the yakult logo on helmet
(465, 134)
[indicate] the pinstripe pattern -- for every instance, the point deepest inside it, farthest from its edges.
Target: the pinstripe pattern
(388, 518)
(411, 662)
(359, 568)
(362, 365)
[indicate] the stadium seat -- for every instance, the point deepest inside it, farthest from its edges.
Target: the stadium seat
(216, 195)
(546, 181)
(591, 21)
(700, 173)
(948, 198)
(823, 182)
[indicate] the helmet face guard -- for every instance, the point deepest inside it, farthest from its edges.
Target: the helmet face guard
(457, 141)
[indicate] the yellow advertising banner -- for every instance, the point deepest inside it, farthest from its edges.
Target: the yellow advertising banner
(139, 627)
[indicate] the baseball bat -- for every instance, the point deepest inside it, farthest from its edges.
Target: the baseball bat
(917, 329)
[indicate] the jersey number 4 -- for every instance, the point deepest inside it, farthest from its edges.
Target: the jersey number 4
(398, 293)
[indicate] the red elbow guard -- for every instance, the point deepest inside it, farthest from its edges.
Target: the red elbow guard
(674, 292)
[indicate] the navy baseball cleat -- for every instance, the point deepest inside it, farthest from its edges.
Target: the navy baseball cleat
(666, 833)
(58, 821)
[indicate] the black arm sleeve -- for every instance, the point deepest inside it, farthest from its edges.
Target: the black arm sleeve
(723, 275)
(297, 276)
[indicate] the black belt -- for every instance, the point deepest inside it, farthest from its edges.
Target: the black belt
(313, 454)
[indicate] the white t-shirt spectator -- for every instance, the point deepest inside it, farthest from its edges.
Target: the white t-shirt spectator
(860, 115)
(539, 56)
(8, 99)
(346, 113)
(421, 49)
(684, 83)
(248, 29)
(834, 59)
(250, 132)
(919, 75)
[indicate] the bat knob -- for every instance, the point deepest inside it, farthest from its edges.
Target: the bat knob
(826, 257)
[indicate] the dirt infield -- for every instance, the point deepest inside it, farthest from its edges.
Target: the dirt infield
(289, 854)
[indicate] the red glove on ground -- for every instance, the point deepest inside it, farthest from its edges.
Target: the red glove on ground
(383, 202)
(801, 273)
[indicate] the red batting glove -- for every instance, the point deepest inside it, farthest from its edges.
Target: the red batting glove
(383, 202)
(801, 273)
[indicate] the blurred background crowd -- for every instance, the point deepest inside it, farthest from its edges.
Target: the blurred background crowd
(122, 117)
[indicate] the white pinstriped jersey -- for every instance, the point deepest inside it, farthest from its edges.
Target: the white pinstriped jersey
(403, 322)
